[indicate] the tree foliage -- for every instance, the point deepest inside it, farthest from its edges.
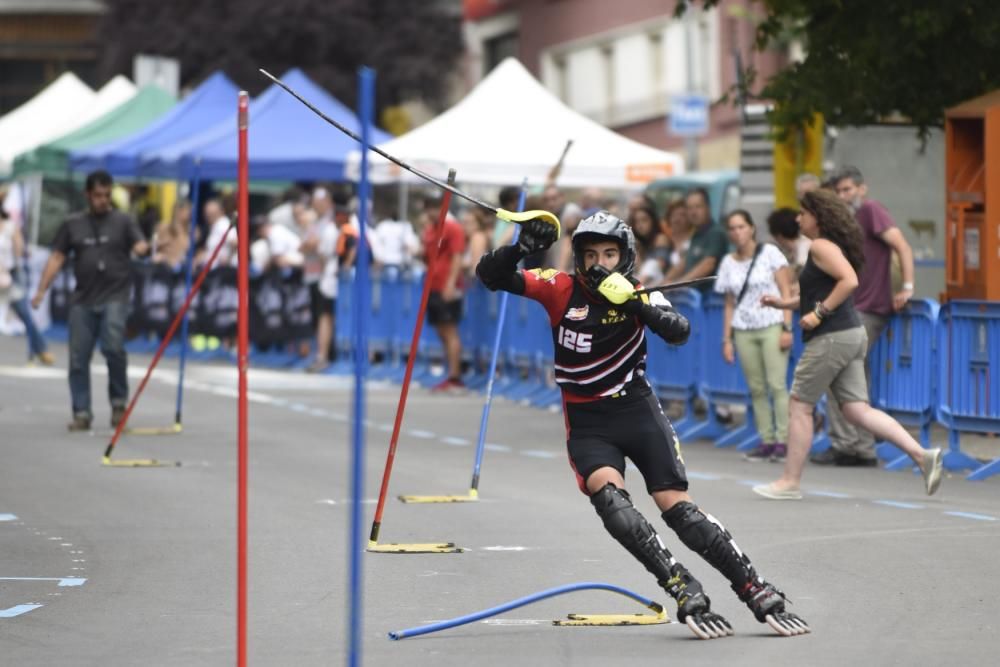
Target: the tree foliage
(413, 46)
(869, 61)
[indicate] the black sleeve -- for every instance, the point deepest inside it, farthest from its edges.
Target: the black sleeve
(498, 270)
(62, 242)
(666, 322)
(134, 232)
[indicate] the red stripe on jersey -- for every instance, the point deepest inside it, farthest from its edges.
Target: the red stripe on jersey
(550, 288)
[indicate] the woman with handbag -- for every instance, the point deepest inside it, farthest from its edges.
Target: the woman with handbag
(761, 336)
(12, 289)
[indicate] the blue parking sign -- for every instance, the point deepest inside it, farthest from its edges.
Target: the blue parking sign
(688, 116)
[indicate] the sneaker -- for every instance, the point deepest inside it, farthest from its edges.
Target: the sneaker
(724, 415)
(932, 467)
(447, 384)
(46, 358)
(779, 453)
(317, 366)
(768, 606)
(759, 454)
(81, 422)
(857, 461)
(771, 492)
(827, 457)
(117, 414)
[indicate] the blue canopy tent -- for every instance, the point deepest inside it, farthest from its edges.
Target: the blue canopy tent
(211, 103)
(287, 141)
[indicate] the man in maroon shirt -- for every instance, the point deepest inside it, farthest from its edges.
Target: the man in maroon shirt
(875, 301)
(444, 246)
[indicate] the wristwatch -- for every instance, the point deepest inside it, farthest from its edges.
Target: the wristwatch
(787, 328)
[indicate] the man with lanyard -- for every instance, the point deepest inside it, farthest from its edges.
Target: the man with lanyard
(101, 241)
(598, 328)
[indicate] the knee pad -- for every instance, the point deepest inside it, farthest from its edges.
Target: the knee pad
(704, 534)
(631, 529)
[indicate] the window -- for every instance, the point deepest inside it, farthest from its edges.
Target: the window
(497, 48)
(628, 75)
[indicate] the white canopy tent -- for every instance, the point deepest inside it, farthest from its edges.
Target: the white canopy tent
(64, 106)
(510, 127)
(113, 94)
(51, 113)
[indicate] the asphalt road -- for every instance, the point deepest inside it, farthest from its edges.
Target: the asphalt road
(119, 566)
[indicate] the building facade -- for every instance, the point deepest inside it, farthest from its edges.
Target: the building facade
(41, 39)
(622, 64)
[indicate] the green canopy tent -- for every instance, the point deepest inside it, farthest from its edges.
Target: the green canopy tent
(52, 159)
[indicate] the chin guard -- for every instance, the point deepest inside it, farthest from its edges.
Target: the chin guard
(617, 289)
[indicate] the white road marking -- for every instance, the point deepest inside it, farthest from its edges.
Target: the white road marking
(517, 621)
(18, 610)
(828, 494)
(63, 581)
(539, 454)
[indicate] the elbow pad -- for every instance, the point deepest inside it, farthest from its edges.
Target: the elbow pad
(498, 270)
(667, 323)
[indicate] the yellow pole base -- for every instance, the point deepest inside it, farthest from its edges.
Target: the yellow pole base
(470, 498)
(612, 619)
(427, 548)
(138, 463)
(154, 430)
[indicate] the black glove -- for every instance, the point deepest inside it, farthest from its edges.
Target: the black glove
(536, 235)
(632, 306)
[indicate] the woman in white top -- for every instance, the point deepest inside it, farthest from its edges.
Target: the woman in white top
(12, 287)
(762, 337)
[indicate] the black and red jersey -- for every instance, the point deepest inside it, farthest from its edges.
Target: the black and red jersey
(598, 350)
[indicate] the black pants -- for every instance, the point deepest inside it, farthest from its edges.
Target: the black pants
(602, 433)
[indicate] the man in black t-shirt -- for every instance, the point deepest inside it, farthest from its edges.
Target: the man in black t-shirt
(101, 241)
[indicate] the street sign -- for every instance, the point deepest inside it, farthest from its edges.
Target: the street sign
(688, 116)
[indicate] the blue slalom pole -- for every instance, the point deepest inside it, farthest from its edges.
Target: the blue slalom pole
(366, 104)
(188, 270)
(520, 602)
(481, 444)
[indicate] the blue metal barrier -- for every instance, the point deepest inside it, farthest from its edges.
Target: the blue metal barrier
(515, 345)
(721, 382)
(674, 370)
(406, 320)
(386, 305)
(476, 332)
(969, 372)
(903, 377)
(343, 324)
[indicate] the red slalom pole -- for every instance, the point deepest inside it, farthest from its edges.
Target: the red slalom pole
(163, 344)
(410, 359)
(242, 349)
